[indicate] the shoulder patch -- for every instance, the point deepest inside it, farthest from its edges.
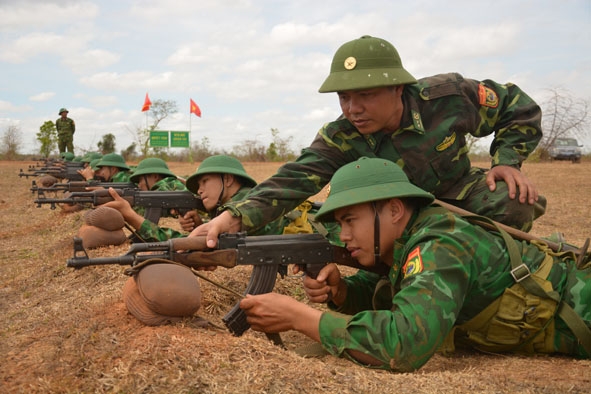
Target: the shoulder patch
(414, 263)
(487, 97)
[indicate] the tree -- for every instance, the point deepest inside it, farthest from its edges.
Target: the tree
(250, 150)
(47, 136)
(129, 152)
(159, 110)
(11, 142)
(107, 144)
(279, 149)
(564, 116)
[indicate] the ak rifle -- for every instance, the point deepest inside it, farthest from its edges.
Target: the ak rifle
(154, 201)
(78, 186)
(268, 254)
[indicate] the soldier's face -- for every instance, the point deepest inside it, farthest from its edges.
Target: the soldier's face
(371, 110)
(104, 173)
(210, 187)
(357, 232)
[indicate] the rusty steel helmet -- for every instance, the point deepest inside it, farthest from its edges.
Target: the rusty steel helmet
(364, 63)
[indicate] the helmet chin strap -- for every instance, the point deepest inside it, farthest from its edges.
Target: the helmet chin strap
(219, 202)
(376, 235)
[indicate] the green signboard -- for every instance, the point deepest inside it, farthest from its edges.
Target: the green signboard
(179, 139)
(159, 138)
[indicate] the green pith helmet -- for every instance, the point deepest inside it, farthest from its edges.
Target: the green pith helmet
(219, 164)
(364, 63)
(112, 160)
(77, 159)
(151, 165)
(367, 180)
(90, 156)
(63, 110)
(67, 156)
(93, 164)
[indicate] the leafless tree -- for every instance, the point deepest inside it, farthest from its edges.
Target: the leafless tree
(563, 116)
(11, 142)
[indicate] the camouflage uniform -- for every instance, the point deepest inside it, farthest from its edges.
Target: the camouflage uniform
(169, 183)
(445, 272)
(430, 146)
(65, 133)
(121, 176)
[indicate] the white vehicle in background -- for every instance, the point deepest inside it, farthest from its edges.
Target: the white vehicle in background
(566, 149)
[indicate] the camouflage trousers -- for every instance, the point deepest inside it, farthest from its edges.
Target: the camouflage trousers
(65, 142)
(499, 207)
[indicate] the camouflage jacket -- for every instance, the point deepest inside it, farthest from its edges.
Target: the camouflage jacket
(169, 183)
(65, 126)
(439, 112)
(445, 272)
(121, 176)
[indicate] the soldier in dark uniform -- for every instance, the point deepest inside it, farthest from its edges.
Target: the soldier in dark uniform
(421, 125)
(65, 131)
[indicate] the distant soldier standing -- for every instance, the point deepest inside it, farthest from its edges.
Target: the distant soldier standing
(65, 131)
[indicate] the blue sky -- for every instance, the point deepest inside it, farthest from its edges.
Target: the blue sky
(255, 65)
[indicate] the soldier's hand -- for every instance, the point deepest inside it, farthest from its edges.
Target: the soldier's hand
(224, 223)
(515, 180)
(328, 285)
(190, 220)
(86, 173)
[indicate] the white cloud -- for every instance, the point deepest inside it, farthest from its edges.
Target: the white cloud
(91, 60)
(43, 96)
(40, 14)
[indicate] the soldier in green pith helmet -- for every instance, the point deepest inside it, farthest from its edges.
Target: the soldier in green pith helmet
(153, 174)
(450, 282)
(66, 127)
(421, 125)
(109, 168)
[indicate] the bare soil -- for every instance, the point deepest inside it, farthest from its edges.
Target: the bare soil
(68, 331)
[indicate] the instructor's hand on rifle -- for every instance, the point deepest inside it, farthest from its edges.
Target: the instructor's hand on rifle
(224, 223)
(328, 285)
(514, 180)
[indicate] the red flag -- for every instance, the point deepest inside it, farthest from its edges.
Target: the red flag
(147, 104)
(195, 108)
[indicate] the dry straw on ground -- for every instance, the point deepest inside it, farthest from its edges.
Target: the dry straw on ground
(67, 331)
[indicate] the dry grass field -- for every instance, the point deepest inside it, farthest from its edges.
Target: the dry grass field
(68, 331)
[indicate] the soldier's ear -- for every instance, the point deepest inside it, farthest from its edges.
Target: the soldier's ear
(396, 209)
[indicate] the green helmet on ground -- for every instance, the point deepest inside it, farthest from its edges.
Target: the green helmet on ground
(63, 110)
(364, 63)
(112, 160)
(219, 164)
(151, 165)
(366, 180)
